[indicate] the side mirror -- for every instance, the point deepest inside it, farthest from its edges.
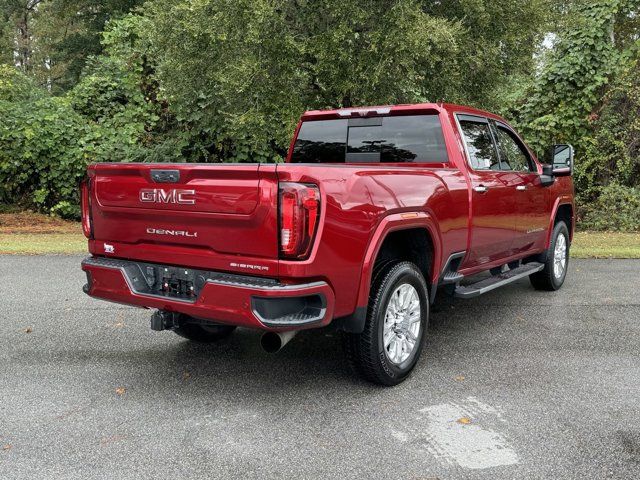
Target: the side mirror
(562, 160)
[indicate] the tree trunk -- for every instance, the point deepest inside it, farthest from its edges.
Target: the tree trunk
(24, 43)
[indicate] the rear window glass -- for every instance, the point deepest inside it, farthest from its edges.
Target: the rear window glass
(411, 138)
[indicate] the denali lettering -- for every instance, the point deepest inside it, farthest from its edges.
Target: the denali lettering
(175, 233)
(159, 195)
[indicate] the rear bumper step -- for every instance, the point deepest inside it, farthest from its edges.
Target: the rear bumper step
(221, 297)
(487, 284)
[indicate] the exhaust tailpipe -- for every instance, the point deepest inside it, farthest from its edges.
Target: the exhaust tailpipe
(273, 342)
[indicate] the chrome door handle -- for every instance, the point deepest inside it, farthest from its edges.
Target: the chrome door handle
(521, 188)
(481, 189)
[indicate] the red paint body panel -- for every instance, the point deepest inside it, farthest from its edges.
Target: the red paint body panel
(235, 216)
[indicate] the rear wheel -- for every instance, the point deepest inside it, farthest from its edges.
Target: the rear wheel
(397, 316)
(203, 333)
(555, 267)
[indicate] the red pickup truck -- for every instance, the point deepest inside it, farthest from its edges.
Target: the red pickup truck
(373, 211)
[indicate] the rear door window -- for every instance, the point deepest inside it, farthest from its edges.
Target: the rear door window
(411, 138)
(479, 141)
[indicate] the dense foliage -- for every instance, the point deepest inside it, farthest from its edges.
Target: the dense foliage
(225, 80)
(587, 94)
(47, 141)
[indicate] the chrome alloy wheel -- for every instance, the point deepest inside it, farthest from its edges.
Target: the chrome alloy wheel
(402, 323)
(560, 256)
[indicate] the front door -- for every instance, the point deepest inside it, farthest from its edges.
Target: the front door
(493, 207)
(530, 197)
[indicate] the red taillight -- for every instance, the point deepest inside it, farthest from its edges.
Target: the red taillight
(85, 206)
(299, 213)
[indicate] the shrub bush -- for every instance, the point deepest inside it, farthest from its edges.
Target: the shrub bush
(617, 208)
(41, 159)
(16, 87)
(47, 142)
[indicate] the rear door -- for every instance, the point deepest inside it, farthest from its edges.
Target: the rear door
(530, 197)
(493, 215)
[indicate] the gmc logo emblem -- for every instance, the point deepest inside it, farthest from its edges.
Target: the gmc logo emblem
(173, 195)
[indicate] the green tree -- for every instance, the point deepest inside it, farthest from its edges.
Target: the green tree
(575, 78)
(52, 39)
(18, 19)
(47, 141)
(68, 33)
(497, 49)
(239, 73)
(226, 80)
(587, 95)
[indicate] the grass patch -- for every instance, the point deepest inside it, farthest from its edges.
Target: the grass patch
(29, 233)
(42, 243)
(605, 245)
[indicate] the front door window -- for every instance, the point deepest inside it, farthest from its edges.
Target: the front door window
(513, 156)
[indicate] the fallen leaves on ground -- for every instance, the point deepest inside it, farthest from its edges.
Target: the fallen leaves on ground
(121, 391)
(28, 330)
(459, 378)
(7, 446)
(464, 420)
(30, 222)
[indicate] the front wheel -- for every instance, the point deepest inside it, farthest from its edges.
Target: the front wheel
(552, 276)
(397, 316)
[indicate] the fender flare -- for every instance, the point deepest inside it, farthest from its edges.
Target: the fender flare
(393, 223)
(560, 201)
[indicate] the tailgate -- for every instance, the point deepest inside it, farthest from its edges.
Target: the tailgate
(206, 209)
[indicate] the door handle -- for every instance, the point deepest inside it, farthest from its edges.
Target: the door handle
(481, 189)
(521, 188)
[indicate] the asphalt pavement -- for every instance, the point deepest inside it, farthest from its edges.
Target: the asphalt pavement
(515, 384)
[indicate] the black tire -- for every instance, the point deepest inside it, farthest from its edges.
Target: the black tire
(546, 279)
(366, 351)
(204, 333)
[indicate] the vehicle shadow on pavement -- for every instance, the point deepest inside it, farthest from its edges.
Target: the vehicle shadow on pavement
(159, 362)
(237, 366)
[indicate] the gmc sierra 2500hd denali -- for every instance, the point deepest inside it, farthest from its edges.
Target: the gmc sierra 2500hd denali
(374, 210)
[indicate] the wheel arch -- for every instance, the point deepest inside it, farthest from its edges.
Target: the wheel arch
(416, 230)
(563, 209)
(417, 227)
